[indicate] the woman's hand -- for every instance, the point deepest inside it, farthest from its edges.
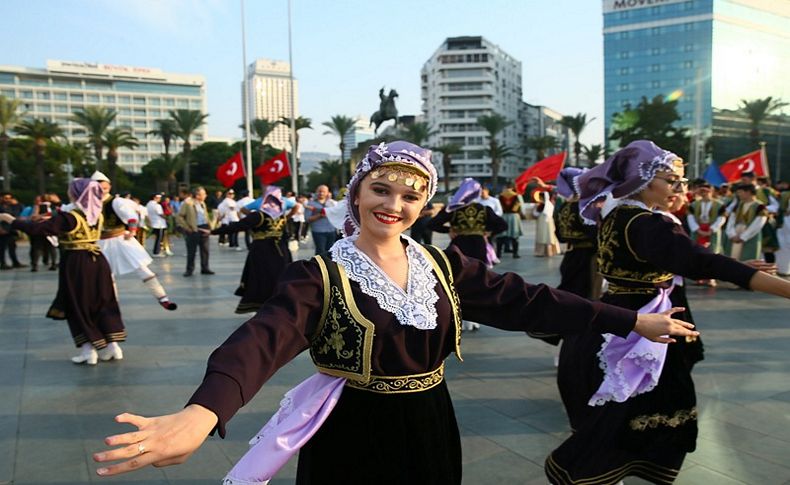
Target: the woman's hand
(761, 265)
(158, 441)
(659, 326)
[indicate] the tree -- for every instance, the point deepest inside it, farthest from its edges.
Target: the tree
(96, 120)
(167, 131)
(541, 144)
(78, 155)
(576, 124)
(113, 139)
(448, 150)
(758, 110)
(341, 126)
(494, 124)
(187, 121)
(651, 120)
(261, 128)
(330, 173)
(417, 133)
(40, 132)
(8, 120)
(299, 124)
(593, 153)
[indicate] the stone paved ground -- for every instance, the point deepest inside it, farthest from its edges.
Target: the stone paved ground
(54, 414)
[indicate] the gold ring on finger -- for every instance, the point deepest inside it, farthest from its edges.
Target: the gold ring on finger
(140, 448)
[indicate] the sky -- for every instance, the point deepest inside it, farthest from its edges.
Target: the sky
(344, 51)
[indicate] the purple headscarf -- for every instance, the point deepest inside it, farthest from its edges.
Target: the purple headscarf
(467, 193)
(566, 182)
(622, 175)
(396, 152)
(87, 195)
(270, 203)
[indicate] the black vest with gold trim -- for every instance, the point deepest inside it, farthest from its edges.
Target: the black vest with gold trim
(617, 261)
(113, 225)
(571, 227)
(342, 345)
(268, 227)
(84, 236)
(469, 220)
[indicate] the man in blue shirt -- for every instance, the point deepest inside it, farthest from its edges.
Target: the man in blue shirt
(324, 233)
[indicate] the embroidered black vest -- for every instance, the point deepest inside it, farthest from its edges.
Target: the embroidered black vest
(83, 237)
(617, 261)
(112, 223)
(269, 228)
(469, 220)
(713, 211)
(343, 343)
(571, 227)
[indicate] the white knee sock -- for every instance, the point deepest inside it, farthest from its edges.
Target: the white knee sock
(152, 283)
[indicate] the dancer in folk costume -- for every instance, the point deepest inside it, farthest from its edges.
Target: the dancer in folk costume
(268, 256)
(783, 231)
(546, 242)
(745, 225)
(706, 218)
(631, 404)
(470, 224)
(380, 315)
(119, 245)
(85, 297)
(511, 203)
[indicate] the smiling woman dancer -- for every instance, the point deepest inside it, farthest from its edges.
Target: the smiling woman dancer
(631, 403)
(379, 316)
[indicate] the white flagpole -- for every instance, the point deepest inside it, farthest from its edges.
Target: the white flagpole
(294, 155)
(246, 101)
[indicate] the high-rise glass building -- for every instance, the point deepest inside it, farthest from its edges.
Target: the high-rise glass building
(140, 95)
(270, 97)
(707, 54)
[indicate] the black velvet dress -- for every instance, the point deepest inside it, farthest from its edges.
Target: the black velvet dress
(86, 296)
(266, 260)
(390, 438)
(649, 434)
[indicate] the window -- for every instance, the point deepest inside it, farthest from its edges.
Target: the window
(42, 95)
(61, 108)
(59, 96)
(26, 94)
(655, 51)
(109, 99)
(154, 101)
(124, 99)
(655, 84)
(182, 103)
(688, 47)
(93, 98)
(654, 68)
(125, 111)
(688, 64)
(8, 93)
(77, 97)
(139, 100)
(139, 112)
(170, 102)
(44, 108)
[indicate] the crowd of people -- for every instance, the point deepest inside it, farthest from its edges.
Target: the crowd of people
(380, 311)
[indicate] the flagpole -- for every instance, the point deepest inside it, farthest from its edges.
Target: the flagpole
(294, 155)
(246, 100)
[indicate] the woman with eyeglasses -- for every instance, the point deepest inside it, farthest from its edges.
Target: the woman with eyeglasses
(632, 404)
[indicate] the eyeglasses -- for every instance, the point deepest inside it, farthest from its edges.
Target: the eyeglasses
(676, 183)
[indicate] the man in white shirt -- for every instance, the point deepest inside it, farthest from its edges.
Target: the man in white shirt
(706, 218)
(157, 222)
(228, 213)
(488, 201)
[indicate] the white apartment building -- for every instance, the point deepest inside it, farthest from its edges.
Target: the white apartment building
(465, 78)
(538, 121)
(140, 95)
(270, 97)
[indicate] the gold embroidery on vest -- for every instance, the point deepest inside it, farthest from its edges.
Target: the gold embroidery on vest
(449, 288)
(469, 220)
(401, 384)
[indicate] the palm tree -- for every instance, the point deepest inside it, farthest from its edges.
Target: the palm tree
(593, 153)
(166, 130)
(341, 126)
(447, 150)
(299, 124)
(40, 132)
(187, 121)
(262, 128)
(417, 133)
(96, 120)
(114, 139)
(576, 124)
(757, 111)
(494, 124)
(8, 120)
(540, 144)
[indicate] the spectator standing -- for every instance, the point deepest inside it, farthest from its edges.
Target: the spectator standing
(324, 233)
(196, 222)
(157, 222)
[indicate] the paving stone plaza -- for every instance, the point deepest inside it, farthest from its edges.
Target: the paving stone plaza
(54, 414)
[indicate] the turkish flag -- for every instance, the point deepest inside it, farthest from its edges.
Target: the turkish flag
(230, 171)
(546, 170)
(274, 168)
(755, 161)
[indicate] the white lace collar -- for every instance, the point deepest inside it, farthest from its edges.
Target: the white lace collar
(416, 306)
(611, 204)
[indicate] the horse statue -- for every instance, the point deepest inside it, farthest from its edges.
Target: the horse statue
(387, 110)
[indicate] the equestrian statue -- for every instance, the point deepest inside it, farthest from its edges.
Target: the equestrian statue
(387, 110)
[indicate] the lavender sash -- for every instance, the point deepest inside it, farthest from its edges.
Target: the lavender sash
(632, 365)
(302, 412)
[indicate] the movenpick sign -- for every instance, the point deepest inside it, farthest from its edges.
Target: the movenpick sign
(81, 67)
(610, 6)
